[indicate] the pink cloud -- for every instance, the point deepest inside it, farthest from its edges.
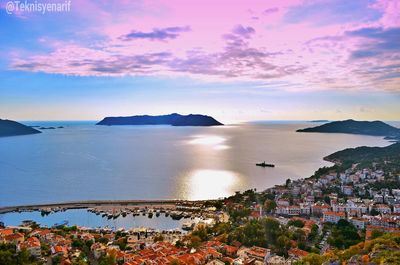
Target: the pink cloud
(247, 40)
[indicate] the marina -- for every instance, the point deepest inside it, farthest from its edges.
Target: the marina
(117, 215)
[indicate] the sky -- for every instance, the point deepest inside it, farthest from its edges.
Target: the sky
(234, 60)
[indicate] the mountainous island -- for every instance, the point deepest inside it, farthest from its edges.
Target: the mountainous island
(173, 119)
(375, 128)
(13, 128)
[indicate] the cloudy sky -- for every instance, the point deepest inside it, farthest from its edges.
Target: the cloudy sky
(234, 60)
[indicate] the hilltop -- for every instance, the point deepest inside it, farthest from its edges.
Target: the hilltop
(171, 119)
(13, 128)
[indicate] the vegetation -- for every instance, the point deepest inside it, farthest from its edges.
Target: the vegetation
(9, 256)
(367, 154)
(344, 235)
(296, 223)
(384, 249)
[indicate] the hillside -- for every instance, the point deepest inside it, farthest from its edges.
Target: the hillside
(366, 154)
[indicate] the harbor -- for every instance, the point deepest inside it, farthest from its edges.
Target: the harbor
(150, 215)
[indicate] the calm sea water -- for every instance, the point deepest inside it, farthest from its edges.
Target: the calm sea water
(82, 217)
(83, 161)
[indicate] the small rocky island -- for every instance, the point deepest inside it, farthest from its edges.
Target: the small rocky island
(170, 119)
(13, 128)
(374, 128)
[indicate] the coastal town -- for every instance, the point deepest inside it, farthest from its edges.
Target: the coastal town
(306, 221)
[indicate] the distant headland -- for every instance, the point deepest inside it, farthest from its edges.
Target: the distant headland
(319, 121)
(375, 128)
(173, 119)
(13, 128)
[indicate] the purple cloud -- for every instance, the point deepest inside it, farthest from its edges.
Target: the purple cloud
(270, 10)
(380, 41)
(245, 32)
(156, 34)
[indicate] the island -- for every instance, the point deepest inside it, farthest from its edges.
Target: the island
(13, 128)
(319, 121)
(173, 119)
(374, 128)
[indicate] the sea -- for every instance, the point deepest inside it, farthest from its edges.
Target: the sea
(84, 161)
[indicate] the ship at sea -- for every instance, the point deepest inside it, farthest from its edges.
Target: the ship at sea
(263, 164)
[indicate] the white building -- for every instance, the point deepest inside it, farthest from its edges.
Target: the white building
(333, 217)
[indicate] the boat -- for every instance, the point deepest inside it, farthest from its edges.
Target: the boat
(116, 215)
(187, 226)
(263, 164)
(63, 223)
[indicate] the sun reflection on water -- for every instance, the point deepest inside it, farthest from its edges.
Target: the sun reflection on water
(213, 141)
(209, 184)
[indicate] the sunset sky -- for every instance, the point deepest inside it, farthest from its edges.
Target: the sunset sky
(234, 60)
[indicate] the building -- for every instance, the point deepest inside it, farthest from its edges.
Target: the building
(14, 239)
(382, 208)
(396, 208)
(32, 245)
(333, 217)
(258, 253)
(360, 223)
(347, 190)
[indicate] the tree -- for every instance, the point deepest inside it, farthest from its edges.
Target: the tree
(376, 234)
(296, 223)
(314, 259)
(158, 238)
(344, 235)
(374, 212)
(283, 244)
(288, 181)
(195, 241)
(201, 232)
(107, 260)
(270, 205)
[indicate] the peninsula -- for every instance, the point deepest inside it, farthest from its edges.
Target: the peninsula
(13, 128)
(171, 119)
(375, 128)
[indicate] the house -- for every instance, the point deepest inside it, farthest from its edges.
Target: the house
(378, 198)
(230, 250)
(58, 251)
(294, 210)
(382, 208)
(276, 260)
(297, 254)
(32, 245)
(396, 208)
(360, 223)
(347, 190)
(319, 208)
(14, 239)
(258, 253)
(98, 250)
(333, 217)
